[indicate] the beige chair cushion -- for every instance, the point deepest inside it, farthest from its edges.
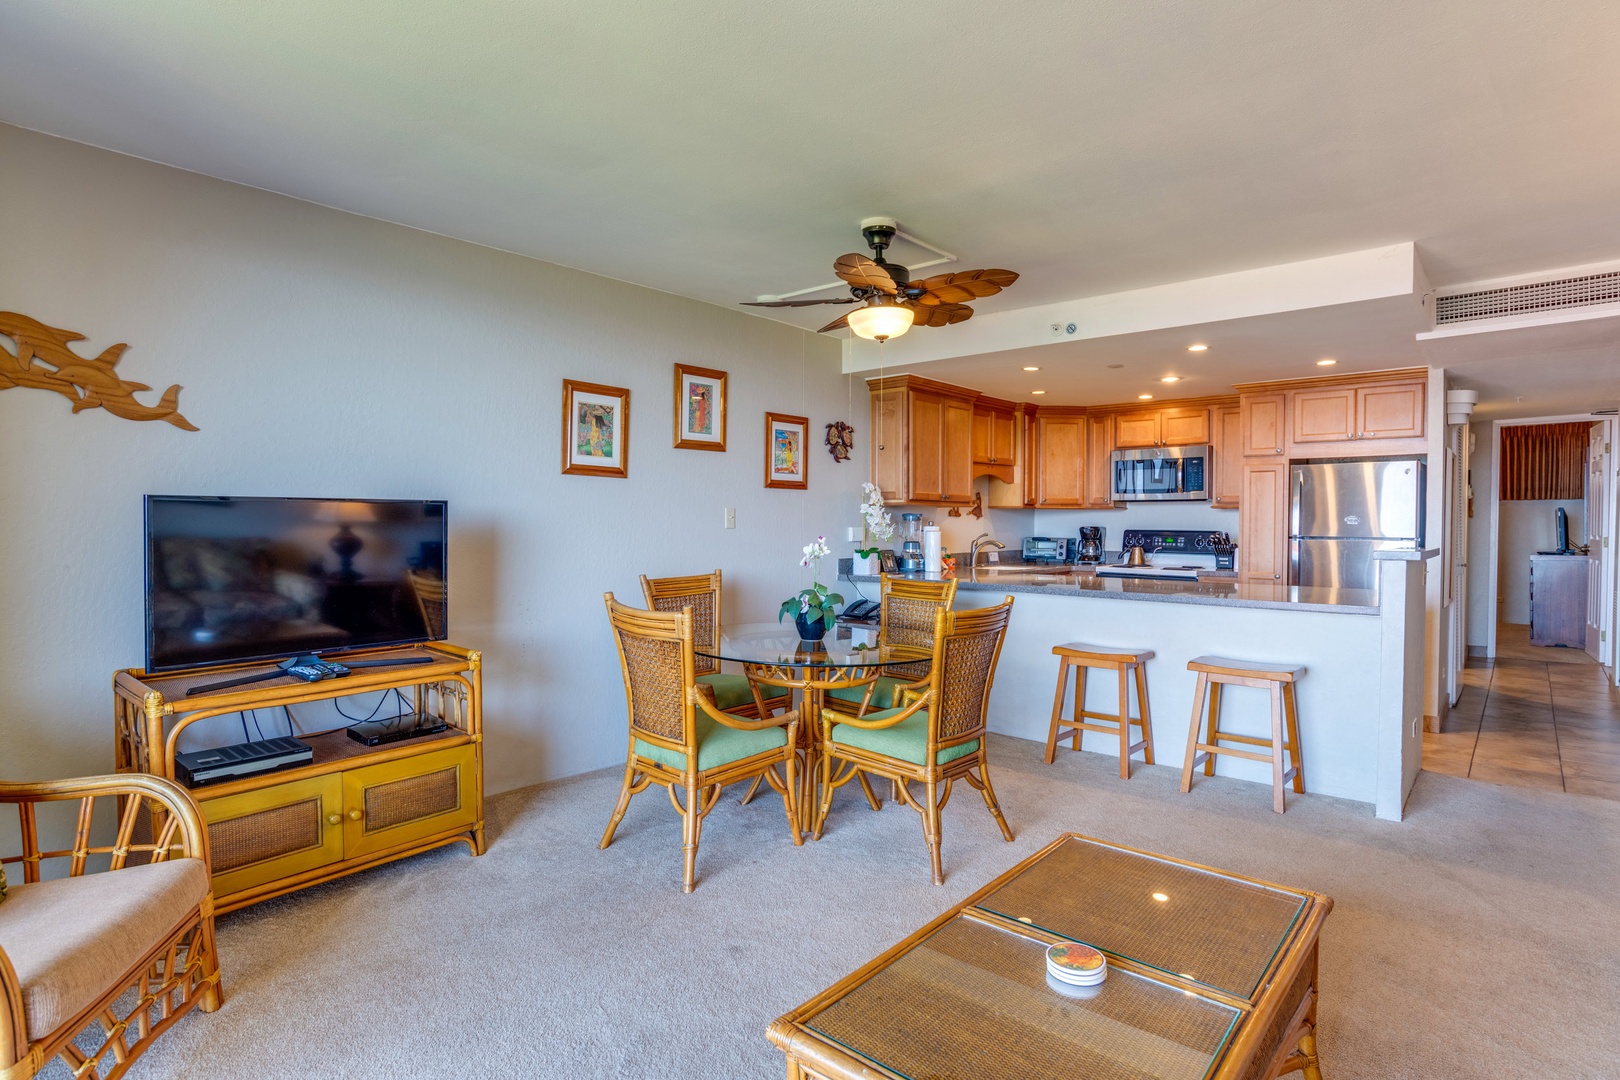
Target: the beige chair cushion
(70, 939)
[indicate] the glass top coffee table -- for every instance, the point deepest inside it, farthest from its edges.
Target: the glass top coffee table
(1210, 975)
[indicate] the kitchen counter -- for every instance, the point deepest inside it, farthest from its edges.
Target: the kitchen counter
(1219, 587)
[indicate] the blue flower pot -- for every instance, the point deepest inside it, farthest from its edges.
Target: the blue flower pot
(809, 630)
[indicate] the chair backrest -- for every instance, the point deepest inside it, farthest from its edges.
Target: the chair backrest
(655, 655)
(964, 669)
(430, 601)
(908, 610)
(701, 593)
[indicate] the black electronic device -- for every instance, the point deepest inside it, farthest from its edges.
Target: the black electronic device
(862, 611)
(198, 767)
(242, 579)
(407, 726)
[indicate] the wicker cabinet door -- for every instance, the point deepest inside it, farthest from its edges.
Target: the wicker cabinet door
(399, 802)
(275, 832)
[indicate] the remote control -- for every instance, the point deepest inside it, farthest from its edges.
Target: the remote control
(335, 669)
(309, 672)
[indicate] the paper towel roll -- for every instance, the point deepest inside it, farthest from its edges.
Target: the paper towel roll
(933, 551)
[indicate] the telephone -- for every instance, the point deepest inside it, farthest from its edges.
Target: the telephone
(863, 610)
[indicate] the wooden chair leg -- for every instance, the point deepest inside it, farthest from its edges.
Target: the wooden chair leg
(1192, 731)
(690, 822)
(824, 803)
(989, 794)
(1124, 724)
(624, 804)
(1142, 711)
(1291, 710)
(748, 796)
(871, 796)
(790, 795)
(1312, 1069)
(1213, 737)
(1057, 710)
(1277, 747)
(1079, 700)
(931, 828)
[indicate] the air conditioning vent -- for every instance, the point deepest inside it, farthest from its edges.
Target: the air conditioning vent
(1526, 299)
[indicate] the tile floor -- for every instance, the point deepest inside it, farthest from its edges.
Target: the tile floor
(1535, 717)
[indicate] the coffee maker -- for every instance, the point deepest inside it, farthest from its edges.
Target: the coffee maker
(1091, 544)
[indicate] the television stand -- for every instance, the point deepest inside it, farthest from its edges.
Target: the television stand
(352, 806)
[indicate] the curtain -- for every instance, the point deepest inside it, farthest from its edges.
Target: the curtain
(1544, 461)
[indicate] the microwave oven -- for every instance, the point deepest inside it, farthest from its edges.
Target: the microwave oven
(1161, 472)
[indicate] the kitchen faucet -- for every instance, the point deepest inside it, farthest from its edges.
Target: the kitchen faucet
(983, 540)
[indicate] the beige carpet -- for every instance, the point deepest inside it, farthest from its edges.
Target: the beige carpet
(1477, 939)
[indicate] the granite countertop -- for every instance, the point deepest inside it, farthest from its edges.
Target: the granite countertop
(1220, 588)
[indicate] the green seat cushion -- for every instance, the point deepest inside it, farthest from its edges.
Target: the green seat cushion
(731, 691)
(906, 741)
(882, 693)
(718, 745)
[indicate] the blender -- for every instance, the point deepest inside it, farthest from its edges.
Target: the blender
(911, 551)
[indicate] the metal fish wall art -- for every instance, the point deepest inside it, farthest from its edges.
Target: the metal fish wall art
(44, 361)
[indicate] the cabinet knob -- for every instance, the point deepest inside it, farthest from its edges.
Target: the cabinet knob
(1279, 449)
(334, 819)
(1274, 577)
(354, 815)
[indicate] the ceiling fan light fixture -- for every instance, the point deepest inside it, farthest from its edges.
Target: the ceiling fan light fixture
(880, 319)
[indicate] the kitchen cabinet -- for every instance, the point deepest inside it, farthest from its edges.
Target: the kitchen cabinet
(995, 438)
(1169, 426)
(1263, 526)
(1393, 411)
(922, 444)
(1014, 489)
(1352, 414)
(1100, 463)
(1324, 415)
(1264, 431)
(1133, 430)
(1060, 440)
(1226, 447)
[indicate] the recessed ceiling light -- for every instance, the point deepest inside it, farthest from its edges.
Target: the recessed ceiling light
(1032, 369)
(1326, 363)
(1144, 397)
(1198, 348)
(1037, 391)
(1171, 378)
(1160, 897)
(1115, 367)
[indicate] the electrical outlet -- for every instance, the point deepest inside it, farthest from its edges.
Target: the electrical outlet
(731, 517)
(853, 534)
(994, 556)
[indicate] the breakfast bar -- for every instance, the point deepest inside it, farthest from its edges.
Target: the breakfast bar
(1360, 716)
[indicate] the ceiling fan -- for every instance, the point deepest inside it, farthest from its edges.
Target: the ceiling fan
(891, 303)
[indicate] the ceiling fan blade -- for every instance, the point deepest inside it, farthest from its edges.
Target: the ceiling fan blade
(799, 303)
(941, 314)
(963, 286)
(859, 270)
(837, 324)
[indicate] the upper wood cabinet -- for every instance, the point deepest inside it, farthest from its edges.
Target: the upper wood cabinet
(1350, 414)
(1016, 491)
(1100, 463)
(1264, 425)
(922, 441)
(1227, 448)
(1169, 426)
(995, 437)
(1060, 456)
(1391, 411)
(1324, 415)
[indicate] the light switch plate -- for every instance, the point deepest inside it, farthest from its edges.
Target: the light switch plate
(731, 517)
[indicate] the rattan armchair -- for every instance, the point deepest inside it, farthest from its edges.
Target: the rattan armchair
(701, 593)
(934, 736)
(908, 610)
(679, 740)
(73, 944)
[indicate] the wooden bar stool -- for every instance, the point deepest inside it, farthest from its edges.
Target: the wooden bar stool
(1213, 673)
(1080, 657)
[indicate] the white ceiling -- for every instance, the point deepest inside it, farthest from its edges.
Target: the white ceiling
(721, 149)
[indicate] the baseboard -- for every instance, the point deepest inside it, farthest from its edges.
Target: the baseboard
(1431, 723)
(1479, 650)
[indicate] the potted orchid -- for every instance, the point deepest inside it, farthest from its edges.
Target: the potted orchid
(876, 527)
(812, 608)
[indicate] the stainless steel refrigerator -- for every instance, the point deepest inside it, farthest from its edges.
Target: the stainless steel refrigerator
(1344, 511)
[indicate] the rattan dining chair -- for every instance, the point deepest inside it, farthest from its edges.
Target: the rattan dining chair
(934, 736)
(701, 593)
(908, 610)
(679, 739)
(430, 601)
(117, 939)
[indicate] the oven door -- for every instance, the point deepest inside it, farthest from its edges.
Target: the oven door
(1161, 473)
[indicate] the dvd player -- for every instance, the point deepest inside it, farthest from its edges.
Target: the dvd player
(407, 726)
(243, 759)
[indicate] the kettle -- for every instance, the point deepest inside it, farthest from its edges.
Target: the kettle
(1137, 557)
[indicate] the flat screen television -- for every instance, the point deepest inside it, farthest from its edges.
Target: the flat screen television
(234, 579)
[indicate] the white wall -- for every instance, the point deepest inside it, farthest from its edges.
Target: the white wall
(328, 354)
(1528, 526)
(1481, 572)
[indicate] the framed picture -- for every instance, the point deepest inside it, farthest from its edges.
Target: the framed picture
(595, 429)
(700, 408)
(786, 463)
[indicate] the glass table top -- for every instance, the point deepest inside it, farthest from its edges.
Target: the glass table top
(974, 1000)
(779, 644)
(1208, 927)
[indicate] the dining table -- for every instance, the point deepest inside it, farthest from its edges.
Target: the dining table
(773, 654)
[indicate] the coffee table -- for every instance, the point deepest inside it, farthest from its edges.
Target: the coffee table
(1211, 976)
